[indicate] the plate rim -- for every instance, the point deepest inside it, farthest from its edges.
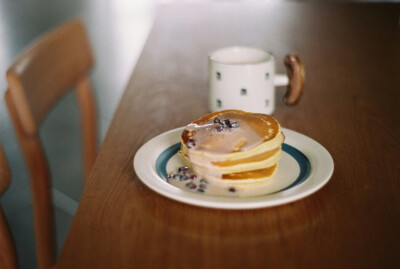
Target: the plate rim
(317, 178)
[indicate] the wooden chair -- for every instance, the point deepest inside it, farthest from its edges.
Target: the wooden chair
(38, 78)
(8, 254)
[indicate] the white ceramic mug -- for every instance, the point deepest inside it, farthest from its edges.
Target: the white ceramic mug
(244, 78)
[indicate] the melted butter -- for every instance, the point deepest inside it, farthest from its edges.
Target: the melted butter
(253, 130)
(226, 141)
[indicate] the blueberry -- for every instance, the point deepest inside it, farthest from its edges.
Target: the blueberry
(201, 190)
(202, 186)
(191, 143)
(225, 122)
(204, 181)
(216, 120)
(220, 128)
(183, 169)
(233, 124)
(232, 189)
(183, 178)
(191, 185)
(193, 177)
(176, 176)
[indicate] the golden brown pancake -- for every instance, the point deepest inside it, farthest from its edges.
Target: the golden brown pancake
(232, 150)
(232, 141)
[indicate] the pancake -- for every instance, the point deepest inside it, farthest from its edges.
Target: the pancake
(231, 143)
(191, 182)
(232, 149)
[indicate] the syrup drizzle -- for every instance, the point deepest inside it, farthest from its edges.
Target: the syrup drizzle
(221, 136)
(184, 178)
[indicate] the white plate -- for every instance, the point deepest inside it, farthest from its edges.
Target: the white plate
(305, 167)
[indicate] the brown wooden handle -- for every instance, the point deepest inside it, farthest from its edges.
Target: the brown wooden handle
(296, 75)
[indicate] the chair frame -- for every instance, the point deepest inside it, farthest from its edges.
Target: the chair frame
(27, 120)
(8, 253)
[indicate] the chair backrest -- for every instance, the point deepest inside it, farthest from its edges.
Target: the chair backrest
(8, 256)
(39, 77)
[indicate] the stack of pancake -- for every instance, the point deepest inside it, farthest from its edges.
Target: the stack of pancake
(236, 152)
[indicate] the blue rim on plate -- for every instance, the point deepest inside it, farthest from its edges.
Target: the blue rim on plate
(308, 166)
(302, 161)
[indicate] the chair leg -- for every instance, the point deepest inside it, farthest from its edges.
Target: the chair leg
(41, 191)
(89, 123)
(8, 253)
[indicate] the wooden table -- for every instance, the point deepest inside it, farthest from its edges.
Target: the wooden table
(351, 54)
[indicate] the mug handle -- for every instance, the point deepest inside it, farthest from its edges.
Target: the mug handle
(296, 75)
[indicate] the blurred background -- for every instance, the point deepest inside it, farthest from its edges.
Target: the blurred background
(118, 30)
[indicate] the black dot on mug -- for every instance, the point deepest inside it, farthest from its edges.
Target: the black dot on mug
(243, 92)
(218, 75)
(266, 103)
(266, 75)
(219, 103)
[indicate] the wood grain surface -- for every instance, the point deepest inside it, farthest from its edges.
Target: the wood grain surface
(351, 54)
